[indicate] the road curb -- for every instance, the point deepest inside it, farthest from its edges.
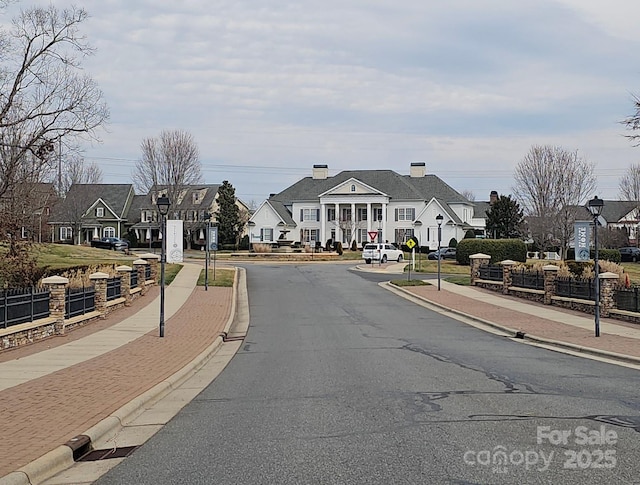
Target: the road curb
(62, 457)
(517, 334)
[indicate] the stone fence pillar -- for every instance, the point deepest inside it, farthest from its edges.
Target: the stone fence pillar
(608, 283)
(125, 283)
(57, 287)
(550, 275)
(153, 260)
(507, 279)
(100, 285)
(140, 265)
(477, 260)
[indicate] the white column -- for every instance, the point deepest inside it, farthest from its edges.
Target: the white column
(384, 222)
(353, 223)
(369, 218)
(95, 233)
(323, 218)
(338, 235)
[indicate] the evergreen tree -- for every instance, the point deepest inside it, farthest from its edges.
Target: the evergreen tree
(505, 219)
(228, 215)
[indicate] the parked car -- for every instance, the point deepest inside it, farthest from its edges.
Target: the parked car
(444, 253)
(113, 243)
(382, 252)
(629, 254)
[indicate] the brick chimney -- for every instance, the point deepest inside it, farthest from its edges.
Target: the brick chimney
(418, 169)
(320, 172)
(493, 197)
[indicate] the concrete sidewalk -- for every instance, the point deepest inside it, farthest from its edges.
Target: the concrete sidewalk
(49, 397)
(551, 326)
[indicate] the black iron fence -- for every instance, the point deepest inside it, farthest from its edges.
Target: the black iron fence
(147, 272)
(490, 272)
(134, 279)
(23, 305)
(581, 288)
(114, 288)
(527, 279)
(79, 301)
(628, 299)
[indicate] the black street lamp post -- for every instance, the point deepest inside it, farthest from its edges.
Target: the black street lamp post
(163, 204)
(595, 207)
(439, 221)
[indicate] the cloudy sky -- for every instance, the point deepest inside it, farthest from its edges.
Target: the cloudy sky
(270, 88)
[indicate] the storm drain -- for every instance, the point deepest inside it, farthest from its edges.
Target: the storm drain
(97, 455)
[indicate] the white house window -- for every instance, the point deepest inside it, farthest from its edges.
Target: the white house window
(363, 236)
(109, 232)
(309, 215)
(353, 188)
(403, 235)
(310, 235)
(66, 233)
(405, 214)
(362, 214)
(266, 234)
(99, 211)
(346, 214)
(331, 214)
(377, 214)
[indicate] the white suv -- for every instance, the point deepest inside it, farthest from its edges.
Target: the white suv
(381, 252)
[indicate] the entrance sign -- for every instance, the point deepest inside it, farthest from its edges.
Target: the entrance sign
(582, 242)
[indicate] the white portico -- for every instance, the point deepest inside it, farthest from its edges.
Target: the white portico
(352, 209)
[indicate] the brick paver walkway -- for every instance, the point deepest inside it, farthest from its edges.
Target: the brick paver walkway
(42, 414)
(531, 324)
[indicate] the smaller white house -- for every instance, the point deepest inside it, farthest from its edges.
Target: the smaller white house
(365, 205)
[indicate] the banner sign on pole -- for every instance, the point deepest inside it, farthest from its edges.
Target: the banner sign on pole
(213, 239)
(582, 241)
(175, 248)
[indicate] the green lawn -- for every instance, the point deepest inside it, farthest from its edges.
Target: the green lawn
(223, 277)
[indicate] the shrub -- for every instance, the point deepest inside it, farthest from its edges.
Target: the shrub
(244, 243)
(329, 245)
(453, 243)
(498, 249)
(354, 245)
(262, 247)
(338, 247)
(470, 234)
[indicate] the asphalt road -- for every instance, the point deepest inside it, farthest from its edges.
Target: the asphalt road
(342, 382)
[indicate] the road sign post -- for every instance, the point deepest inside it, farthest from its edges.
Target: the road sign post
(372, 235)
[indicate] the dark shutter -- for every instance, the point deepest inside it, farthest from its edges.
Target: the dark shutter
(301, 215)
(396, 215)
(318, 215)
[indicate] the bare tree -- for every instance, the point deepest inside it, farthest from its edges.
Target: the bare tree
(550, 184)
(630, 183)
(75, 170)
(170, 162)
(633, 122)
(468, 194)
(44, 95)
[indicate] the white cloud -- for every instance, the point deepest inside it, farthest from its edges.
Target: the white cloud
(272, 88)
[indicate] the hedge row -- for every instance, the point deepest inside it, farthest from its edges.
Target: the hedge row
(498, 249)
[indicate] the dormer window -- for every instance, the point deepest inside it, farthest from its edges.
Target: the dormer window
(99, 211)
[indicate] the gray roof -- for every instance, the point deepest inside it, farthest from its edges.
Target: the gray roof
(612, 211)
(83, 196)
(396, 186)
(282, 211)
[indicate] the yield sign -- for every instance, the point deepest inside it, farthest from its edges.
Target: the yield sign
(372, 235)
